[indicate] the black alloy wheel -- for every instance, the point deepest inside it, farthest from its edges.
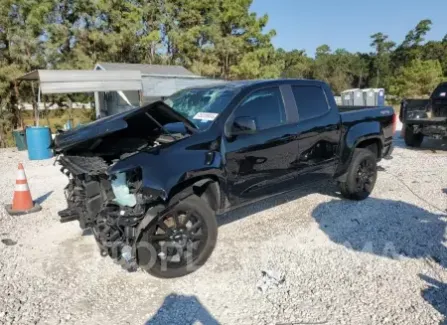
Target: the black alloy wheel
(180, 241)
(366, 176)
(361, 175)
(178, 237)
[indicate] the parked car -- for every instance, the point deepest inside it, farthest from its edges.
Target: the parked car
(150, 181)
(425, 117)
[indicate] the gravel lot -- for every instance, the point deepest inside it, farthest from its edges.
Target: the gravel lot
(380, 261)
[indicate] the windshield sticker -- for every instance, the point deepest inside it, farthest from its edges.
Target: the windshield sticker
(205, 116)
(442, 94)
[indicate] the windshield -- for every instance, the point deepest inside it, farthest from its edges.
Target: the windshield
(201, 105)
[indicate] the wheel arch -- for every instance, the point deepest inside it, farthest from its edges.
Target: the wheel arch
(208, 187)
(373, 144)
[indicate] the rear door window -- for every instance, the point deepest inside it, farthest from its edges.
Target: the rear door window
(310, 100)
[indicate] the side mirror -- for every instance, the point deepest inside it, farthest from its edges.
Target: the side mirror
(243, 125)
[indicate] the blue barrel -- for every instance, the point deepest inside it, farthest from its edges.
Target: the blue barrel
(38, 139)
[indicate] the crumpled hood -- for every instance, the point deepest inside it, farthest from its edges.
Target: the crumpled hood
(136, 118)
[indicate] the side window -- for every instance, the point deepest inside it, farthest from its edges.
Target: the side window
(265, 106)
(310, 101)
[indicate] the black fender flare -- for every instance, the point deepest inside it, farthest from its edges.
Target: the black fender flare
(354, 137)
(158, 211)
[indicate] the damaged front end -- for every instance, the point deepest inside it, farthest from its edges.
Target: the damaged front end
(112, 203)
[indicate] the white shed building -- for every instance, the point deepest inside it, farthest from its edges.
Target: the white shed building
(157, 81)
(118, 86)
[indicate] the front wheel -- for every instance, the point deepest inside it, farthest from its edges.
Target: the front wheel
(361, 176)
(180, 241)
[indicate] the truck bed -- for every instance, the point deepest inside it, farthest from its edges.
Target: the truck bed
(435, 106)
(383, 114)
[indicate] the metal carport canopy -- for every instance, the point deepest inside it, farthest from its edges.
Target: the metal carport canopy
(83, 81)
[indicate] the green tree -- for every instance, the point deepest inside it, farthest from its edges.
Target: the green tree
(417, 79)
(295, 64)
(334, 68)
(417, 35)
(242, 40)
(412, 47)
(382, 58)
(21, 49)
(359, 68)
(434, 50)
(322, 68)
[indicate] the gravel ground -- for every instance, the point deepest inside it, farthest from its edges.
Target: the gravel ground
(380, 261)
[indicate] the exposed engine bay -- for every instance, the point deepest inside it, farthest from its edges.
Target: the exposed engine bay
(111, 205)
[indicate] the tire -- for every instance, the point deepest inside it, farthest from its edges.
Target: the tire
(199, 210)
(356, 187)
(412, 139)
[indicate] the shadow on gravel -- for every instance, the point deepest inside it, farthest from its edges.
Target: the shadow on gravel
(436, 295)
(325, 187)
(42, 198)
(432, 145)
(390, 229)
(384, 227)
(179, 309)
(8, 242)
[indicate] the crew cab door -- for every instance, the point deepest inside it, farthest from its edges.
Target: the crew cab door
(318, 133)
(258, 145)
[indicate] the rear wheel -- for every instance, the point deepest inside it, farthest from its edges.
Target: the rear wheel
(361, 176)
(411, 138)
(181, 240)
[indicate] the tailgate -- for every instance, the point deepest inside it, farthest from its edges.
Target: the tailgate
(411, 108)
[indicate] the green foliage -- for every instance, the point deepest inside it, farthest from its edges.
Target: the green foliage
(295, 64)
(56, 118)
(213, 38)
(419, 78)
(382, 58)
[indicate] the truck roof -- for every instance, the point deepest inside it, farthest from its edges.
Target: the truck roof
(259, 82)
(244, 83)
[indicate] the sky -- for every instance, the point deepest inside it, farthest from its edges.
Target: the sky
(307, 24)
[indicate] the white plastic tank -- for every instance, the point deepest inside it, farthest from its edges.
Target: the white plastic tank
(358, 97)
(348, 96)
(369, 97)
(374, 97)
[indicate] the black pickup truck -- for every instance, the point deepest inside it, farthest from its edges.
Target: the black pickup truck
(425, 117)
(150, 181)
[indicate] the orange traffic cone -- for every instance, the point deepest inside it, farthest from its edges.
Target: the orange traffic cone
(22, 203)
